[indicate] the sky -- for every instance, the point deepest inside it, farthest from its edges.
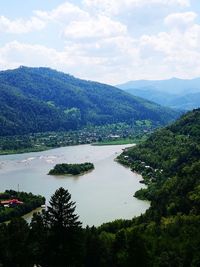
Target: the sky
(110, 41)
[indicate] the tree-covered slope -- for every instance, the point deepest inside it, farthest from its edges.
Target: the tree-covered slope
(41, 99)
(170, 164)
(185, 102)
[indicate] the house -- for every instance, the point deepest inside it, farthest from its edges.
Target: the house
(11, 202)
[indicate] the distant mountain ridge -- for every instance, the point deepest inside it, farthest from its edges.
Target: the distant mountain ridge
(42, 99)
(175, 93)
(174, 86)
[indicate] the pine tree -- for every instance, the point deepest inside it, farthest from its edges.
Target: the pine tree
(65, 238)
(60, 213)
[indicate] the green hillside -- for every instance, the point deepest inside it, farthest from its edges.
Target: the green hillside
(168, 233)
(41, 99)
(170, 164)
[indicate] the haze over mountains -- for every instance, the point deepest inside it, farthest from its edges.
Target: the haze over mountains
(175, 93)
(42, 99)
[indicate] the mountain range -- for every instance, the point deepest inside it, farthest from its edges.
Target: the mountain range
(42, 99)
(174, 93)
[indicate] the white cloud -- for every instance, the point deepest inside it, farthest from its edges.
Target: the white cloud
(99, 40)
(178, 50)
(35, 55)
(116, 58)
(100, 27)
(71, 59)
(115, 7)
(77, 23)
(180, 20)
(20, 26)
(81, 60)
(63, 13)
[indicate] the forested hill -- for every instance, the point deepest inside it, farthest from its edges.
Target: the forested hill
(41, 99)
(168, 233)
(170, 164)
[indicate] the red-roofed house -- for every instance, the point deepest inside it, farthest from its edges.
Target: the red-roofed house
(11, 202)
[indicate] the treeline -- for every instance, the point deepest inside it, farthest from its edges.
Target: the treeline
(56, 238)
(30, 202)
(74, 169)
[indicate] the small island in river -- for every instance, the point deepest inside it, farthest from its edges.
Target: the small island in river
(73, 169)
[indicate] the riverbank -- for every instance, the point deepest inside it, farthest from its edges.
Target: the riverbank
(125, 141)
(114, 134)
(122, 141)
(108, 189)
(23, 151)
(103, 143)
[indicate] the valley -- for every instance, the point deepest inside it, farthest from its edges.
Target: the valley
(169, 164)
(92, 191)
(100, 133)
(136, 199)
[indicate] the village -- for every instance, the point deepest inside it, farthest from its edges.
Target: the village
(87, 135)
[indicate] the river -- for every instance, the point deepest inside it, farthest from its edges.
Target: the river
(102, 195)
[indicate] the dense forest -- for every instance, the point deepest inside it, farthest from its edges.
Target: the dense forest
(169, 162)
(74, 169)
(166, 235)
(41, 100)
